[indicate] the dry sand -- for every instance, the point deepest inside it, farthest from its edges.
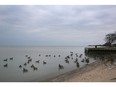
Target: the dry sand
(95, 72)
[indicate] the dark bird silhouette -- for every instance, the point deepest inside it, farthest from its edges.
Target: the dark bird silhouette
(6, 65)
(77, 64)
(71, 54)
(76, 55)
(76, 60)
(5, 59)
(20, 66)
(11, 58)
(25, 70)
(80, 55)
(68, 57)
(29, 57)
(82, 60)
(67, 61)
(32, 66)
(30, 60)
(39, 54)
(37, 61)
(25, 64)
(46, 55)
(61, 66)
(59, 55)
(87, 60)
(49, 55)
(44, 62)
(54, 56)
(26, 55)
(35, 68)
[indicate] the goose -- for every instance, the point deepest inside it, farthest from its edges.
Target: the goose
(26, 55)
(44, 62)
(67, 57)
(5, 59)
(25, 70)
(35, 68)
(59, 55)
(30, 60)
(76, 60)
(25, 64)
(87, 60)
(76, 55)
(29, 57)
(37, 61)
(82, 60)
(32, 66)
(71, 54)
(49, 55)
(6, 65)
(11, 58)
(61, 66)
(80, 55)
(20, 66)
(77, 64)
(46, 55)
(67, 61)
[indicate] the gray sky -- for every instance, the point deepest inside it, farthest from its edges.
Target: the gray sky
(56, 25)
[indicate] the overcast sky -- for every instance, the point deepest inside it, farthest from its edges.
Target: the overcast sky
(56, 25)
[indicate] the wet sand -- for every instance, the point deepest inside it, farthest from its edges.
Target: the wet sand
(95, 72)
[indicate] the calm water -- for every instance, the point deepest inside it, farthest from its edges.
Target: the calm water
(12, 72)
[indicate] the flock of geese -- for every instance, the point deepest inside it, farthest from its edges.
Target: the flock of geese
(71, 56)
(60, 66)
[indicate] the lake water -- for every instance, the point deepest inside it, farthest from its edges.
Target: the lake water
(12, 72)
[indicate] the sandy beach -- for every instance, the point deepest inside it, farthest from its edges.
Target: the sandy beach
(95, 72)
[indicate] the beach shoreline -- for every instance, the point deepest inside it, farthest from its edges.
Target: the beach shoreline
(94, 72)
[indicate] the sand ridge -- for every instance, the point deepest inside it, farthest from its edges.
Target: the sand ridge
(95, 72)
